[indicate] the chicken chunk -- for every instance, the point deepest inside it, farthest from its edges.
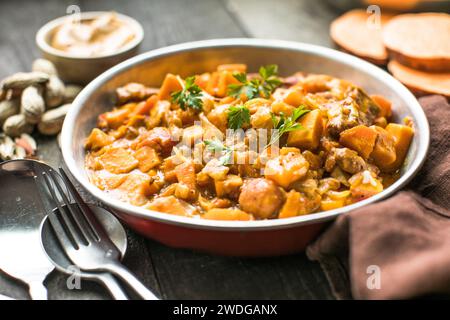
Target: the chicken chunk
(159, 139)
(356, 109)
(348, 160)
(342, 115)
(261, 197)
(134, 92)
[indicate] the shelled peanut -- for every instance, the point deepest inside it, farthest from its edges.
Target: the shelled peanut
(29, 100)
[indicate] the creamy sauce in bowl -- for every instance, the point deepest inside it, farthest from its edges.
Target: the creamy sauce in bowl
(103, 35)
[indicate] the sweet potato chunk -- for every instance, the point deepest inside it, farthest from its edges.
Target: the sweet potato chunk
(360, 138)
(135, 184)
(107, 182)
(170, 84)
(211, 87)
(118, 160)
(136, 188)
(364, 185)
(282, 107)
(286, 169)
(144, 107)
(228, 187)
(185, 173)
(293, 96)
(402, 139)
(172, 205)
(227, 214)
(148, 158)
(384, 151)
(309, 136)
(208, 204)
(294, 205)
(219, 117)
(233, 67)
(202, 80)
(187, 184)
(384, 104)
(334, 200)
(98, 139)
(225, 79)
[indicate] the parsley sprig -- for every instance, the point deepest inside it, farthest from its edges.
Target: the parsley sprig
(261, 86)
(238, 116)
(283, 124)
(218, 147)
(189, 96)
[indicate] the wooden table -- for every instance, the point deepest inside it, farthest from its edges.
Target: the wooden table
(174, 273)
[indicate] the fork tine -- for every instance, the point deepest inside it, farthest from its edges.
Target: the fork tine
(75, 214)
(75, 235)
(65, 240)
(90, 218)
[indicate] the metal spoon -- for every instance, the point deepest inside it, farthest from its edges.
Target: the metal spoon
(21, 214)
(56, 254)
(2, 297)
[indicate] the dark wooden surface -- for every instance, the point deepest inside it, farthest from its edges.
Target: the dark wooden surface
(174, 273)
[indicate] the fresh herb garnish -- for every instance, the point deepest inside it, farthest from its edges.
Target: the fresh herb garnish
(262, 86)
(238, 116)
(218, 147)
(190, 96)
(283, 124)
(249, 88)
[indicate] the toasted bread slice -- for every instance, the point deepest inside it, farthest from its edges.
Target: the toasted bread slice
(353, 32)
(420, 41)
(421, 82)
(397, 5)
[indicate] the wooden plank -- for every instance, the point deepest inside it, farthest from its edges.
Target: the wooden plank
(305, 21)
(174, 21)
(184, 274)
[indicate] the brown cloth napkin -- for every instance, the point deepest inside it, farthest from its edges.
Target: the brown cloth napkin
(398, 248)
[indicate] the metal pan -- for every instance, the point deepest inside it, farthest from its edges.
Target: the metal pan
(243, 238)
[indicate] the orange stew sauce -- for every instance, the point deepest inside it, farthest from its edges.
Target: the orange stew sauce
(321, 143)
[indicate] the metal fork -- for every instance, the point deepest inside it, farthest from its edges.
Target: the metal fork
(83, 238)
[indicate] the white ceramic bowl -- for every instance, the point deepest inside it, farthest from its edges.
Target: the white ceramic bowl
(77, 69)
